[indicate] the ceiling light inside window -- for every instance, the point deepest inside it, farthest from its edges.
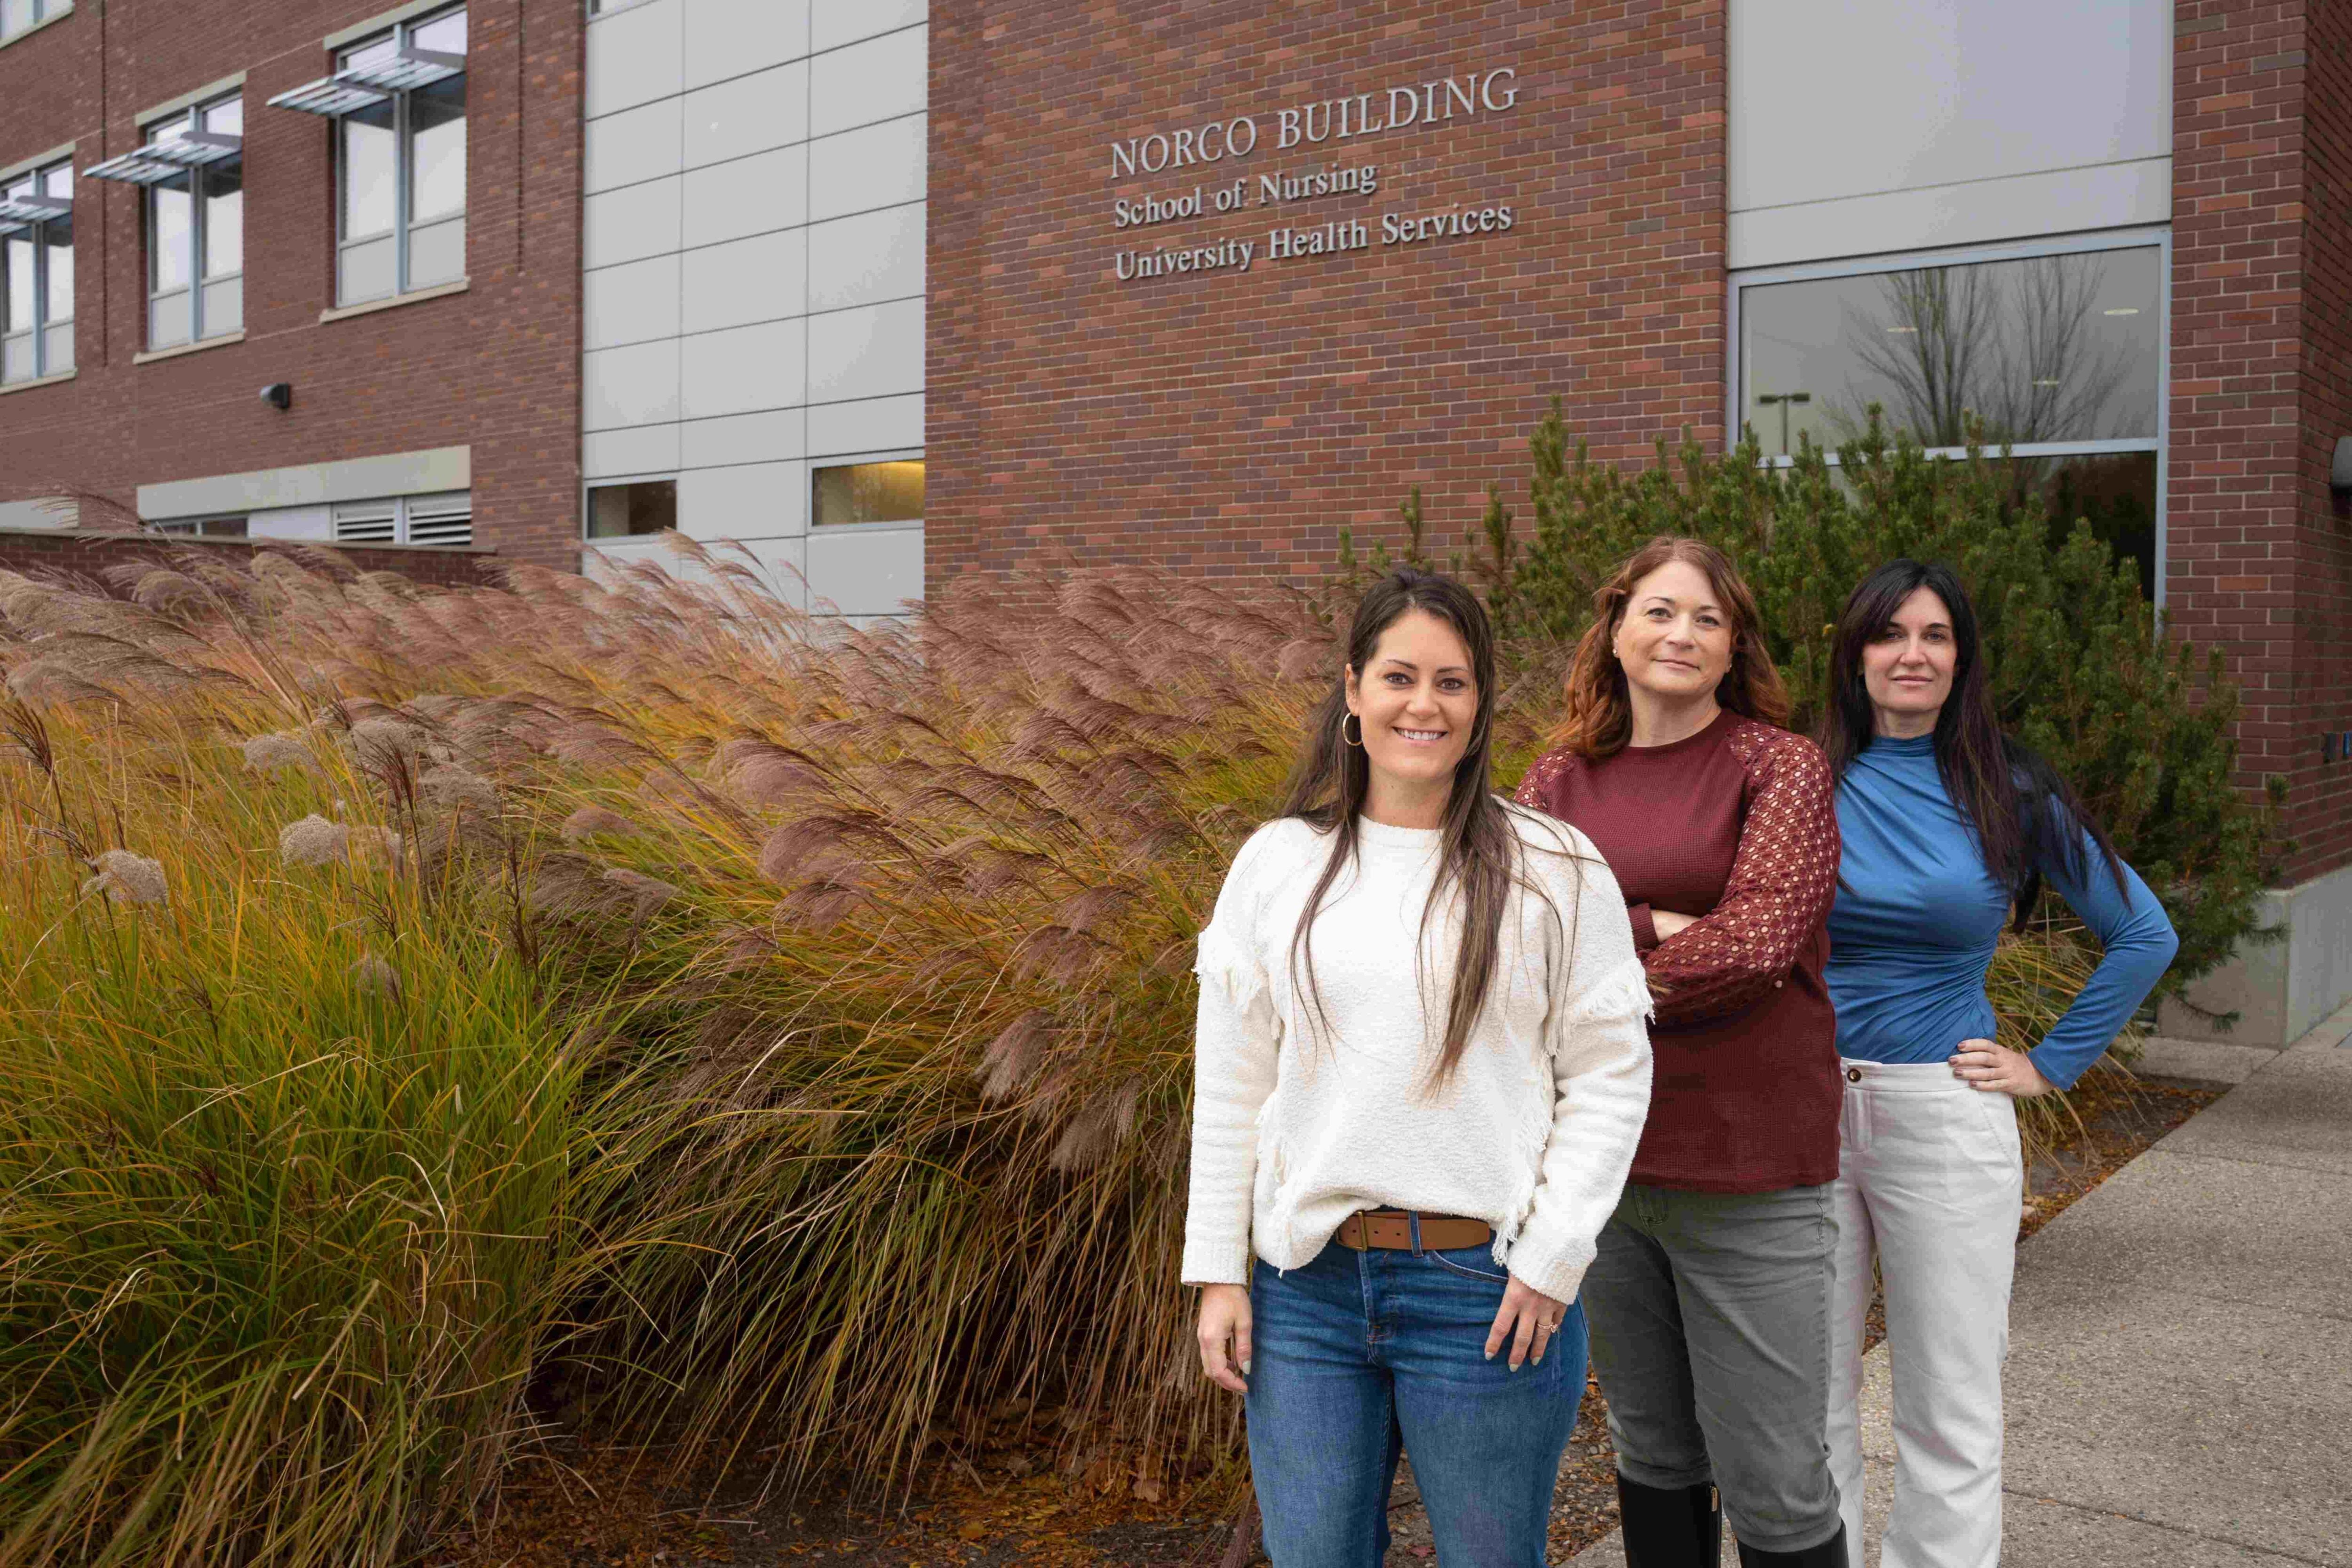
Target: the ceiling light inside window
(2046, 381)
(1903, 329)
(2122, 310)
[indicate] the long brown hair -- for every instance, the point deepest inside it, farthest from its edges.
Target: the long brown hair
(1600, 718)
(2026, 816)
(1480, 857)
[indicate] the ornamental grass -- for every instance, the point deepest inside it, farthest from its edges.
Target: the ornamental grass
(775, 1033)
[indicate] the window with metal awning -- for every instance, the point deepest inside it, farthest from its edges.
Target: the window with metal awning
(37, 274)
(372, 79)
(168, 158)
(192, 168)
(397, 101)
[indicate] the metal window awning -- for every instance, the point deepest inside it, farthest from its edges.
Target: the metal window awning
(170, 157)
(360, 86)
(34, 209)
(20, 212)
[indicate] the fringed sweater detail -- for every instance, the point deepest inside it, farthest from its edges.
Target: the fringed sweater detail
(1301, 1118)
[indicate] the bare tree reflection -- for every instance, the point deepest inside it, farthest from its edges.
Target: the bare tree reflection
(2014, 345)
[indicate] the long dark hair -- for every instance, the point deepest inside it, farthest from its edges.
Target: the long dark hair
(2026, 818)
(1480, 857)
(1599, 717)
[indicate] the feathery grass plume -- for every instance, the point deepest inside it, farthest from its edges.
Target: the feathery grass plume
(881, 1120)
(277, 751)
(650, 893)
(314, 841)
(387, 740)
(597, 822)
(458, 788)
(127, 878)
(372, 973)
(279, 1258)
(364, 842)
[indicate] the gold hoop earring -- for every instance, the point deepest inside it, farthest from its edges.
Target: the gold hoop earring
(1359, 742)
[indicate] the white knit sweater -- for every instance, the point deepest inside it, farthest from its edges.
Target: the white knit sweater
(1295, 1125)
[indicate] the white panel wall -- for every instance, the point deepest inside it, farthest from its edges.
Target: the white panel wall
(755, 275)
(1861, 126)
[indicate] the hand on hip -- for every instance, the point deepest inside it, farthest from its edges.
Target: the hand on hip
(1984, 1065)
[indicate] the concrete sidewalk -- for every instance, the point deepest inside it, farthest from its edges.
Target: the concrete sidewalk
(2179, 1385)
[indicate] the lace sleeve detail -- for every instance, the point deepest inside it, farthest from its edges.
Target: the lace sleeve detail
(1536, 789)
(1783, 879)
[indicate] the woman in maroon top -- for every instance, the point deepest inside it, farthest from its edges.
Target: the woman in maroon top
(1709, 1300)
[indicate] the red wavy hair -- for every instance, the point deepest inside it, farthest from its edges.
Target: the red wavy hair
(1600, 718)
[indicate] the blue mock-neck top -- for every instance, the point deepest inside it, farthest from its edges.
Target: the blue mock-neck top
(1918, 914)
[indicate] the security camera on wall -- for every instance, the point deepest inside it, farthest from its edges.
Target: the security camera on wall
(278, 395)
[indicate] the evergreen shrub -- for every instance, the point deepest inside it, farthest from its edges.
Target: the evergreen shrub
(2139, 721)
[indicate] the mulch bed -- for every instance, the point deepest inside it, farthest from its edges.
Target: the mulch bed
(574, 1506)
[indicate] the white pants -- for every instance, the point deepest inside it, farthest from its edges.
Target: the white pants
(1931, 1179)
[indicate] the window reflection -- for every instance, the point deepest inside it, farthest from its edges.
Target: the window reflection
(403, 173)
(442, 35)
(57, 235)
(225, 222)
(2115, 492)
(168, 244)
(437, 118)
(2048, 348)
(368, 189)
(622, 511)
(16, 260)
(870, 493)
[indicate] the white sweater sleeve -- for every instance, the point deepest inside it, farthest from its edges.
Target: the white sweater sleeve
(1235, 1045)
(1601, 1073)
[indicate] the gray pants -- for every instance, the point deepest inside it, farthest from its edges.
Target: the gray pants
(1710, 1334)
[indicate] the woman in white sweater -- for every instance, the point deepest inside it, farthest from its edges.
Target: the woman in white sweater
(1421, 1071)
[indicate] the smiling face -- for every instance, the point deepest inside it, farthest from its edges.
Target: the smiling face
(1908, 667)
(1417, 701)
(1674, 638)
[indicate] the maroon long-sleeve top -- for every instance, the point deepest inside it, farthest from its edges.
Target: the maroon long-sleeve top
(1735, 826)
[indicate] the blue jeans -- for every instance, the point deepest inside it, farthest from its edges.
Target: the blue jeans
(1360, 1353)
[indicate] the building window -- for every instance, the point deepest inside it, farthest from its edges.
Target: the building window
(37, 274)
(640, 507)
(203, 527)
(444, 519)
(2055, 353)
(195, 233)
(400, 163)
(21, 15)
(870, 492)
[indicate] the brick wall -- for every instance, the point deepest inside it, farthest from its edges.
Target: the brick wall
(2323, 606)
(1232, 423)
(2257, 558)
(496, 368)
(86, 553)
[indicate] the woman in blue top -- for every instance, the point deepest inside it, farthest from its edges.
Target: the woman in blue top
(1947, 824)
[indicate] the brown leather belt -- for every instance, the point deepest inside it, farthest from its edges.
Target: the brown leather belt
(1393, 1228)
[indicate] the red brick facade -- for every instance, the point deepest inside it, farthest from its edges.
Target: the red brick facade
(2259, 557)
(1069, 410)
(1073, 416)
(2322, 789)
(496, 367)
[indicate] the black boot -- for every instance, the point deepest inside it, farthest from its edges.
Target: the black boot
(1829, 1554)
(1670, 1527)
